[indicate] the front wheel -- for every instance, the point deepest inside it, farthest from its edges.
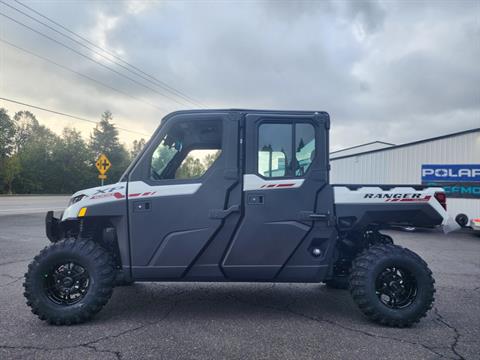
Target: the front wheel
(392, 285)
(69, 281)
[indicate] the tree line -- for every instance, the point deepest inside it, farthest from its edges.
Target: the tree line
(34, 160)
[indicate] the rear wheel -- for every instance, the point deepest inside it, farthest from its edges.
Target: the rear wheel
(69, 281)
(392, 285)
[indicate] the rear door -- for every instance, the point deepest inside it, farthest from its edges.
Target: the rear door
(180, 194)
(286, 232)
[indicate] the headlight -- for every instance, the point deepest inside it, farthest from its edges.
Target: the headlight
(76, 199)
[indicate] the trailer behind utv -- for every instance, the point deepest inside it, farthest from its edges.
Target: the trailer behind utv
(236, 195)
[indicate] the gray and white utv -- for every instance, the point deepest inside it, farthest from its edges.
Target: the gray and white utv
(236, 195)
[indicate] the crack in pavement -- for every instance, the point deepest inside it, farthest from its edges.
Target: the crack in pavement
(91, 344)
(14, 279)
(117, 354)
(283, 308)
(11, 282)
(15, 262)
(9, 276)
(456, 338)
(287, 308)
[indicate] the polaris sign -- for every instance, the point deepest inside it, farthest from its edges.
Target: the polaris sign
(451, 173)
(458, 181)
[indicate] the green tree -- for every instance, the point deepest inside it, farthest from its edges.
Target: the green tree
(104, 140)
(35, 145)
(73, 161)
(25, 125)
(191, 168)
(7, 146)
(7, 134)
(11, 168)
(137, 146)
(210, 158)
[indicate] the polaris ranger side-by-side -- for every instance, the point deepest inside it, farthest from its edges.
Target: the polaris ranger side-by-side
(236, 195)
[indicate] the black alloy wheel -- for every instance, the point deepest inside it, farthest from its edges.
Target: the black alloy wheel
(396, 287)
(66, 283)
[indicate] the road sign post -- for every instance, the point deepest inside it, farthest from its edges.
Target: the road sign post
(103, 164)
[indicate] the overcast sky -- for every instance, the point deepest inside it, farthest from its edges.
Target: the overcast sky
(390, 71)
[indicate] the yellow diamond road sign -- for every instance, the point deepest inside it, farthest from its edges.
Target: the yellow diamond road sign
(103, 164)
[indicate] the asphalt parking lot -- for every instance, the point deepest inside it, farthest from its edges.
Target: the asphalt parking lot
(239, 321)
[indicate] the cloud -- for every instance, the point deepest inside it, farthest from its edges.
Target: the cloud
(393, 71)
(368, 16)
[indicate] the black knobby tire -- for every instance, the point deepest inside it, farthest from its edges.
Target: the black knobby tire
(49, 302)
(410, 285)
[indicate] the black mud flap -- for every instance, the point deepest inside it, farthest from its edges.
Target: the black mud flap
(52, 227)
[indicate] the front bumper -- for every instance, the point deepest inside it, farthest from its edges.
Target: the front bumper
(52, 227)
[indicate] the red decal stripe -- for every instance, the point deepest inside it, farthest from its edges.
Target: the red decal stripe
(133, 195)
(118, 195)
(426, 198)
(285, 185)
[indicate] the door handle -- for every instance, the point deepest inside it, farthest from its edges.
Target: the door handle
(222, 214)
(318, 216)
(311, 216)
(142, 206)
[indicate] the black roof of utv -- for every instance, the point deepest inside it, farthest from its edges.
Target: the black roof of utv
(256, 111)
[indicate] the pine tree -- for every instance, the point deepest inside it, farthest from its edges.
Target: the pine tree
(104, 140)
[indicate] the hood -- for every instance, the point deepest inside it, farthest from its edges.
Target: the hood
(93, 196)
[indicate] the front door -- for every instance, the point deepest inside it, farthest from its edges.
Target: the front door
(181, 192)
(286, 232)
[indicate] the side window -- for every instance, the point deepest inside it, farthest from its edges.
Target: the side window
(164, 153)
(187, 150)
(196, 163)
(274, 149)
(304, 147)
(285, 150)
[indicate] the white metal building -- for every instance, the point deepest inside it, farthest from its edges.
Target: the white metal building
(451, 161)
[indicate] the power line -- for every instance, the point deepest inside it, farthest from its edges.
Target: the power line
(80, 74)
(157, 82)
(67, 115)
(87, 57)
(109, 53)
